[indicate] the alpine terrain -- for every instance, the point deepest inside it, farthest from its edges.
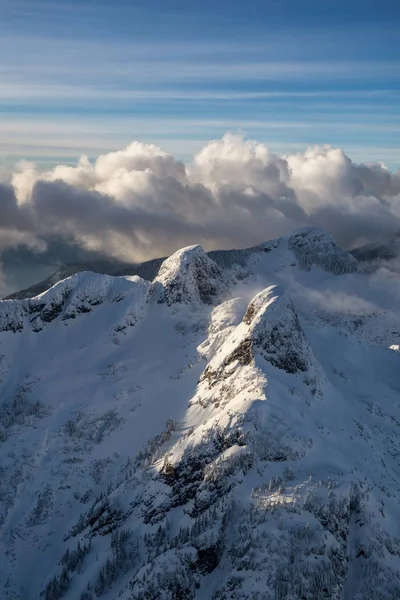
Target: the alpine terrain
(227, 431)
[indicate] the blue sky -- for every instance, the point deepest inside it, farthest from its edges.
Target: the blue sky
(90, 76)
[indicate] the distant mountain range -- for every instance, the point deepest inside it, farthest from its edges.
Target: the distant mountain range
(385, 250)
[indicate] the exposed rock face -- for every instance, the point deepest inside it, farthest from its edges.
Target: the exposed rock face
(190, 277)
(271, 329)
(314, 247)
(276, 331)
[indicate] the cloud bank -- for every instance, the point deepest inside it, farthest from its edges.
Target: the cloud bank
(140, 202)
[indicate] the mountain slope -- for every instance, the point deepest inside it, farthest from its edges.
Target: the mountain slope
(147, 270)
(386, 250)
(219, 433)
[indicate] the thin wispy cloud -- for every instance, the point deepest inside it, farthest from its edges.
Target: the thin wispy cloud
(84, 77)
(48, 91)
(163, 71)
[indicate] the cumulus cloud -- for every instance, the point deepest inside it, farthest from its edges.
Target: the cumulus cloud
(141, 202)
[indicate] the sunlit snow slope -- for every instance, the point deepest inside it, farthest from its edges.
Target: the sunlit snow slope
(219, 433)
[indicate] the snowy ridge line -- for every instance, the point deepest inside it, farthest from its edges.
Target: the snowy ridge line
(322, 252)
(217, 434)
(78, 294)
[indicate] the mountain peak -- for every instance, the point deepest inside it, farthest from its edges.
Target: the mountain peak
(270, 329)
(276, 332)
(315, 247)
(190, 277)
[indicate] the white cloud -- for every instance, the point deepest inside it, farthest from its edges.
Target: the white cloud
(141, 202)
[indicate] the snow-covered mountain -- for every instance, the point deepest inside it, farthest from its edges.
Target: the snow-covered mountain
(146, 270)
(226, 431)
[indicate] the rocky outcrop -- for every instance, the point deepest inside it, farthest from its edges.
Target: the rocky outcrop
(314, 247)
(270, 329)
(190, 277)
